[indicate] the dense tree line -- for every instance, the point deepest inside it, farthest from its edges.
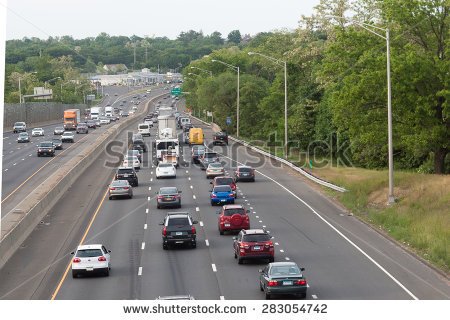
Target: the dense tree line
(337, 87)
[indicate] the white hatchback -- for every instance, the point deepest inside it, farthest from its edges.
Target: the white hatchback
(36, 132)
(166, 170)
(131, 161)
(91, 258)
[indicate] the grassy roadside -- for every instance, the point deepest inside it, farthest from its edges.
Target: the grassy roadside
(420, 218)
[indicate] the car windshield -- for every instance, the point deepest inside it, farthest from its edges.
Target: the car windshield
(220, 181)
(19, 123)
(165, 165)
(67, 133)
(23, 134)
(37, 129)
(245, 170)
(284, 270)
(210, 155)
(168, 190)
(215, 165)
(87, 253)
(222, 189)
(119, 183)
(56, 140)
(230, 212)
(59, 129)
(178, 221)
(256, 238)
(125, 171)
(166, 145)
(46, 145)
(132, 158)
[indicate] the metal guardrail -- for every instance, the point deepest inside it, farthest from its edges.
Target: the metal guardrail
(284, 161)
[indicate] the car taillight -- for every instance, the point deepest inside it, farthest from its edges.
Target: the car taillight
(233, 187)
(193, 231)
(76, 260)
(112, 188)
(301, 282)
(160, 197)
(102, 258)
(231, 195)
(213, 195)
(164, 231)
(125, 188)
(272, 283)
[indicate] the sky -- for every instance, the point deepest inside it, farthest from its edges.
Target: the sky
(88, 18)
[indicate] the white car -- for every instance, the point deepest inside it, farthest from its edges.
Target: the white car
(166, 170)
(131, 161)
(105, 121)
(36, 132)
(131, 112)
(90, 259)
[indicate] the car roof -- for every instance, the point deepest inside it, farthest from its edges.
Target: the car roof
(120, 182)
(233, 206)
(37, 129)
(223, 177)
(239, 167)
(89, 246)
(124, 168)
(283, 264)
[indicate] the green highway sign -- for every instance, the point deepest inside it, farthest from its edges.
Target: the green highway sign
(176, 91)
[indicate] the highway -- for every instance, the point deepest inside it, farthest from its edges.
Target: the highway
(343, 257)
(23, 171)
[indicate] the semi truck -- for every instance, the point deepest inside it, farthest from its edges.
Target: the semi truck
(95, 113)
(108, 112)
(167, 142)
(71, 119)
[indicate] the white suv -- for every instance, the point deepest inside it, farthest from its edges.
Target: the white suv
(90, 259)
(19, 127)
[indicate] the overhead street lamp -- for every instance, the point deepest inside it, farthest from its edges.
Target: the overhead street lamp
(282, 63)
(204, 70)
(21, 100)
(373, 29)
(235, 68)
(46, 82)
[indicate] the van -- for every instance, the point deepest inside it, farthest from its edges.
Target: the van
(196, 136)
(144, 129)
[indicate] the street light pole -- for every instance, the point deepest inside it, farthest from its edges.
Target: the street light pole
(20, 91)
(235, 68)
(204, 70)
(283, 63)
(371, 28)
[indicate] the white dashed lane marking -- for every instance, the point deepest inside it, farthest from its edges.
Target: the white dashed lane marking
(194, 197)
(314, 296)
(148, 198)
(287, 259)
(222, 298)
(281, 250)
(140, 271)
(145, 226)
(143, 246)
(149, 188)
(197, 209)
(189, 178)
(191, 187)
(207, 242)
(201, 223)
(146, 210)
(277, 244)
(214, 267)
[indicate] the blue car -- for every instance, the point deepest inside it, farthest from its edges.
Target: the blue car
(222, 195)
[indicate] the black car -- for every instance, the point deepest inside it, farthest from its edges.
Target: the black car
(244, 173)
(220, 138)
(141, 144)
(57, 142)
(283, 278)
(129, 174)
(178, 228)
(91, 124)
(197, 152)
(46, 148)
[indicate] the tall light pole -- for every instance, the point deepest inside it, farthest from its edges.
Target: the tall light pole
(282, 63)
(373, 29)
(235, 68)
(204, 70)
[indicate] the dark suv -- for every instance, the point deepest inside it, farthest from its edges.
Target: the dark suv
(220, 138)
(129, 174)
(253, 244)
(244, 173)
(178, 228)
(46, 148)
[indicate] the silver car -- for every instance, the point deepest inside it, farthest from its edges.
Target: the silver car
(120, 188)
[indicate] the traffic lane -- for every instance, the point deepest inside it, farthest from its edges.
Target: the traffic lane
(34, 270)
(421, 280)
(180, 269)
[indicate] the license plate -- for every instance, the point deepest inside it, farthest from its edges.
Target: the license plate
(178, 233)
(223, 200)
(256, 248)
(227, 224)
(168, 198)
(125, 176)
(287, 283)
(89, 269)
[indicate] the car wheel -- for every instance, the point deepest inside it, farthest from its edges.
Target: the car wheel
(158, 206)
(235, 255)
(212, 203)
(253, 180)
(194, 245)
(107, 273)
(271, 259)
(232, 201)
(38, 155)
(221, 232)
(260, 286)
(302, 296)
(110, 198)
(240, 261)
(131, 196)
(165, 246)
(74, 274)
(268, 296)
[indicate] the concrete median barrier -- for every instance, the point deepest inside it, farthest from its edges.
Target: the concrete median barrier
(21, 221)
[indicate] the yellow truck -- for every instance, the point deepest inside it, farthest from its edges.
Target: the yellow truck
(195, 136)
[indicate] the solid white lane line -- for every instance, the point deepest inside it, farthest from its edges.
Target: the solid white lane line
(197, 209)
(214, 267)
(140, 271)
(222, 298)
(193, 196)
(145, 226)
(314, 296)
(143, 246)
(201, 223)
(146, 210)
(207, 242)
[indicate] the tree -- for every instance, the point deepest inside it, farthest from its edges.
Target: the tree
(234, 37)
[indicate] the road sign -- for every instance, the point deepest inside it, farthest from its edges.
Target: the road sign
(228, 121)
(176, 91)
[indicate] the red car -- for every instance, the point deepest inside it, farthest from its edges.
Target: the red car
(225, 180)
(233, 217)
(253, 244)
